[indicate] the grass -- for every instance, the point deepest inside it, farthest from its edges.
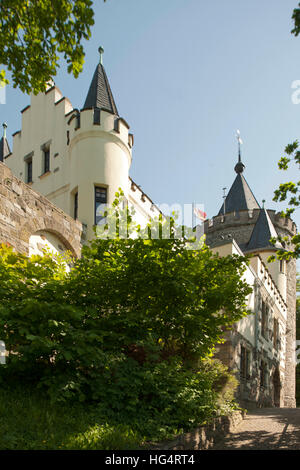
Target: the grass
(30, 422)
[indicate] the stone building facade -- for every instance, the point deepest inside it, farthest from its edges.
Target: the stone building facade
(260, 348)
(29, 221)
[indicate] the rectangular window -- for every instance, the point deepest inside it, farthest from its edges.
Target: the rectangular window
(46, 162)
(263, 374)
(276, 334)
(77, 122)
(264, 320)
(100, 203)
(117, 125)
(282, 266)
(97, 115)
(245, 363)
(29, 170)
(76, 206)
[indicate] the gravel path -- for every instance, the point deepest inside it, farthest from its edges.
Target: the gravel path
(265, 429)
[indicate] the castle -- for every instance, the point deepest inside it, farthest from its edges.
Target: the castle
(261, 347)
(67, 163)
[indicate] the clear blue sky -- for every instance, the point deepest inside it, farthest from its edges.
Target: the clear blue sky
(185, 75)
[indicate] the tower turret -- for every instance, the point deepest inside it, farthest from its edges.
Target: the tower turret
(100, 95)
(241, 218)
(100, 151)
(4, 146)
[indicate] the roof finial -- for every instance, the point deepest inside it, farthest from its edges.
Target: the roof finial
(239, 167)
(4, 125)
(263, 202)
(101, 51)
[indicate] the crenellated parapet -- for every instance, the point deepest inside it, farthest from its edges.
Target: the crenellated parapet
(95, 122)
(240, 224)
(283, 225)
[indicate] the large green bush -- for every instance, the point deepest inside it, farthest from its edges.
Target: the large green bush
(131, 327)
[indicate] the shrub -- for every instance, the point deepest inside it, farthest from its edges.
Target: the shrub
(131, 327)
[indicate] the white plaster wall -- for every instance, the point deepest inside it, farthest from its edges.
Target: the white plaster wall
(97, 155)
(273, 268)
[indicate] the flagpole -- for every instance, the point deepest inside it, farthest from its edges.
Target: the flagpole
(193, 214)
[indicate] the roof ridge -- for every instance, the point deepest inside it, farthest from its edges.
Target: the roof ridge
(110, 95)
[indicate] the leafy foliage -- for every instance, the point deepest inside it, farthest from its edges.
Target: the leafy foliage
(131, 327)
(288, 190)
(296, 18)
(34, 33)
(298, 339)
(30, 422)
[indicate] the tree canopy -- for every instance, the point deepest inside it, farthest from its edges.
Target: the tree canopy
(290, 192)
(35, 33)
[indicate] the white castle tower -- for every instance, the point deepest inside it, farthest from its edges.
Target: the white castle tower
(78, 158)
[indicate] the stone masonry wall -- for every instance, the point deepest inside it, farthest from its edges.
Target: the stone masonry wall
(203, 437)
(24, 211)
(239, 226)
(291, 294)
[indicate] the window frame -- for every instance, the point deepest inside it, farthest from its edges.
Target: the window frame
(245, 360)
(29, 165)
(263, 374)
(46, 160)
(264, 320)
(275, 333)
(282, 266)
(99, 201)
(75, 214)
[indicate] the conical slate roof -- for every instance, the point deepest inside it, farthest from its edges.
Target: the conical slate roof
(240, 197)
(262, 232)
(4, 148)
(99, 94)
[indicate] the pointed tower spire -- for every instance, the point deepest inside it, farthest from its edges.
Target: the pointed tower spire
(100, 94)
(262, 232)
(4, 147)
(240, 197)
